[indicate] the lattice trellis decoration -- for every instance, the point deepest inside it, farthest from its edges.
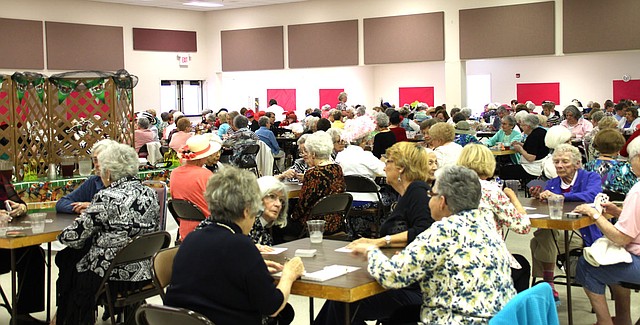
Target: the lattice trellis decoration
(66, 114)
(6, 121)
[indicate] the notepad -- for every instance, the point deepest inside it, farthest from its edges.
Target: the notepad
(328, 273)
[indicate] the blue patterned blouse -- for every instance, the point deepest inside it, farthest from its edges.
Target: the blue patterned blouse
(461, 264)
(616, 175)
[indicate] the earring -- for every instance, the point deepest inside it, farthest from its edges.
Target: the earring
(399, 179)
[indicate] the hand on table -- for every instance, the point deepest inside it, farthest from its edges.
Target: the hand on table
(79, 207)
(273, 267)
(17, 209)
(360, 241)
(585, 209)
(361, 249)
(546, 195)
(293, 269)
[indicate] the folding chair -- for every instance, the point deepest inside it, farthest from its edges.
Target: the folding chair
(339, 203)
(183, 209)
(247, 159)
(140, 248)
(162, 268)
(149, 314)
(361, 184)
(161, 191)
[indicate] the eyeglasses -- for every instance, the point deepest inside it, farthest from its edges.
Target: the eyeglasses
(275, 197)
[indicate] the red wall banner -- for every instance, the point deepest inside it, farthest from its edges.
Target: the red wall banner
(409, 95)
(538, 92)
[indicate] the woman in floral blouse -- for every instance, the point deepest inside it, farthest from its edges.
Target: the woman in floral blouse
(460, 262)
(323, 178)
(122, 210)
(503, 205)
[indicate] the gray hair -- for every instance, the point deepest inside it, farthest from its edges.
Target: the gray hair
(270, 185)
(335, 134)
(119, 160)
(466, 111)
(509, 119)
(569, 149)
(211, 117)
(240, 122)
(319, 144)
(453, 178)
(531, 120)
(520, 116)
(302, 139)
(263, 120)
(342, 95)
(230, 192)
(597, 116)
(573, 110)
(143, 122)
(556, 135)
(102, 144)
(501, 109)
(311, 121)
(361, 110)
(633, 148)
(382, 120)
(530, 106)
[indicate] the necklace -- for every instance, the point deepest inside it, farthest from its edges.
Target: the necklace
(225, 226)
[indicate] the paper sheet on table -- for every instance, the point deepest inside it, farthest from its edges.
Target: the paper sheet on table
(343, 250)
(537, 215)
(276, 251)
(529, 208)
(328, 272)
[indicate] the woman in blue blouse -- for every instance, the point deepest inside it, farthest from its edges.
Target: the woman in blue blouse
(506, 135)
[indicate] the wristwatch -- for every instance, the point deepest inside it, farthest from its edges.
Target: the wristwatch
(596, 216)
(387, 240)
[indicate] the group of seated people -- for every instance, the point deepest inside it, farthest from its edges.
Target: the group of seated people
(427, 279)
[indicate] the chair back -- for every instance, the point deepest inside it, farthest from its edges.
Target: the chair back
(532, 306)
(333, 203)
(162, 267)
(184, 209)
(247, 158)
(264, 159)
(149, 314)
(161, 191)
(361, 184)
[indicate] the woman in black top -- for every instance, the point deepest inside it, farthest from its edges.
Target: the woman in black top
(533, 151)
(406, 169)
(385, 138)
(218, 270)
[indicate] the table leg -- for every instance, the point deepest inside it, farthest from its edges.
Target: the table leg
(14, 297)
(48, 281)
(311, 313)
(567, 270)
(347, 314)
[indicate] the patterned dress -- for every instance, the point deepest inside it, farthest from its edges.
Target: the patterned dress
(465, 139)
(461, 264)
(319, 182)
(616, 175)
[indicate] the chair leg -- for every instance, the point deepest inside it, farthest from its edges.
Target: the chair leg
(5, 301)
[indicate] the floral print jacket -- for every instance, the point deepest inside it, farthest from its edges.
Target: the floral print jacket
(461, 264)
(117, 214)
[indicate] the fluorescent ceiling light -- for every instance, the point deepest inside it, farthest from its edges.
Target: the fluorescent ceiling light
(203, 4)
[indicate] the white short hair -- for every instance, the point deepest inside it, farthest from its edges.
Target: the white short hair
(319, 144)
(556, 135)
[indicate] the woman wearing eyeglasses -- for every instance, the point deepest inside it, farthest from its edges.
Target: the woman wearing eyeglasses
(575, 123)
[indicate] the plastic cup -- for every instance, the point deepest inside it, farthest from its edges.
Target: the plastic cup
(67, 166)
(555, 207)
(37, 222)
(84, 167)
(512, 184)
(316, 229)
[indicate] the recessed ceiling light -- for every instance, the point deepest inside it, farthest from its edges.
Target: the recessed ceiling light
(203, 4)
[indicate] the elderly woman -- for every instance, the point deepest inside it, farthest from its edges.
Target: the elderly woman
(323, 178)
(300, 165)
(179, 139)
(338, 143)
(424, 130)
(224, 128)
(29, 259)
(553, 116)
(532, 151)
(225, 288)
(503, 205)
(406, 169)
(574, 184)
(394, 126)
(625, 233)
(616, 175)
(385, 138)
(630, 121)
(556, 135)
(447, 151)
(506, 135)
(78, 200)
(575, 123)
(454, 290)
(122, 210)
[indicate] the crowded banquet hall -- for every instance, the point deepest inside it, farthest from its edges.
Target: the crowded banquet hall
(319, 162)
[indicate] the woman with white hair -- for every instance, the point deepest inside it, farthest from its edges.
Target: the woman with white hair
(532, 151)
(323, 178)
(625, 233)
(556, 135)
(122, 210)
(506, 135)
(573, 184)
(454, 290)
(218, 270)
